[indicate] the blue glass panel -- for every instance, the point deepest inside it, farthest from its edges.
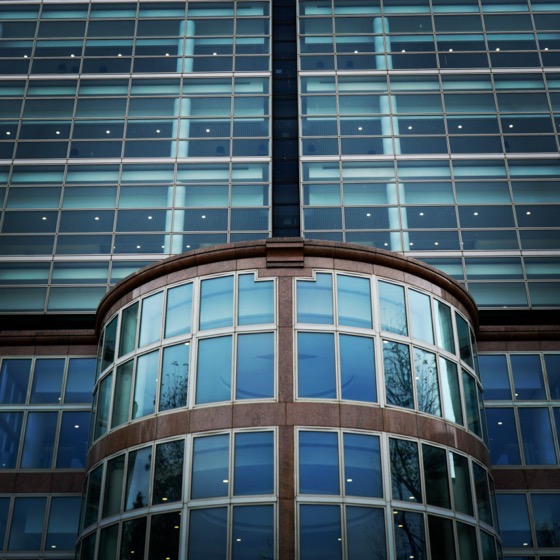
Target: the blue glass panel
(256, 301)
(144, 401)
(450, 390)
(123, 388)
(47, 381)
(527, 376)
(79, 382)
(150, 325)
(38, 445)
(436, 476)
(213, 378)
(4, 508)
(354, 301)
(502, 434)
(255, 366)
(365, 531)
(494, 377)
(398, 374)
(314, 300)
(216, 303)
(357, 368)
(362, 466)
(546, 511)
(410, 539)
(179, 311)
(320, 532)
(427, 386)
(515, 528)
(208, 534)
(27, 524)
(421, 316)
(10, 423)
(316, 367)
(62, 530)
(138, 478)
(552, 362)
(73, 440)
(254, 463)
(210, 467)
(14, 379)
(93, 496)
(465, 350)
(174, 376)
(392, 308)
(536, 432)
(318, 463)
(253, 532)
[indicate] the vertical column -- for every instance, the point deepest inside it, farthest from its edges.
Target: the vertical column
(285, 164)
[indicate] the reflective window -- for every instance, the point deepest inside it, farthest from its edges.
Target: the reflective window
(92, 496)
(514, 520)
(216, 302)
(73, 439)
(164, 535)
(144, 400)
(137, 493)
(208, 533)
(427, 387)
(168, 472)
(133, 539)
(28, 518)
(442, 542)
(255, 366)
(420, 316)
(47, 381)
(494, 376)
(461, 483)
(450, 390)
(38, 444)
(114, 480)
(14, 380)
(405, 470)
(527, 376)
(398, 374)
(178, 311)
(392, 308)
(150, 324)
(254, 463)
(129, 323)
(213, 380)
(318, 463)
(552, 362)
(63, 523)
(362, 465)
(354, 301)
(314, 300)
(409, 533)
(174, 377)
(316, 354)
(482, 492)
(11, 423)
(536, 434)
(546, 512)
(502, 435)
(357, 368)
(436, 476)
(256, 303)
(320, 532)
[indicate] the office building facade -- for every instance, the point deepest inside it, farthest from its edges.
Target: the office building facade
(308, 188)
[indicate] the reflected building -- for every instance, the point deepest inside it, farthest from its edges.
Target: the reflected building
(305, 256)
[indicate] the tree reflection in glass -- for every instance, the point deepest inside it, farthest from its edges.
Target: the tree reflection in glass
(436, 476)
(405, 470)
(398, 374)
(168, 477)
(427, 386)
(410, 541)
(174, 376)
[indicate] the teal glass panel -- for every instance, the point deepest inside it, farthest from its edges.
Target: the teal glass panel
(254, 463)
(392, 308)
(255, 301)
(93, 496)
(208, 534)
(427, 385)
(26, 529)
(461, 483)
(354, 301)
(362, 466)
(138, 477)
(357, 368)
(114, 479)
(213, 379)
(483, 496)
(62, 530)
(515, 528)
(255, 366)
(314, 300)
(178, 316)
(123, 387)
(168, 474)
(150, 325)
(452, 408)
(145, 383)
(320, 532)
(398, 374)
(318, 463)
(216, 303)
(174, 376)
(103, 404)
(421, 325)
(129, 324)
(210, 467)
(436, 476)
(502, 436)
(316, 367)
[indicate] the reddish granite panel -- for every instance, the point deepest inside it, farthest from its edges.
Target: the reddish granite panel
(142, 431)
(27, 482)
(172, 424)
(66, 482)
(400, 422)
(433, 430)
(211, 418)
(258, 414)
(287, 531)
(313, 414)
(361, 417)
(7, 482)
(542, 479)
(285, 365)
(286, 466)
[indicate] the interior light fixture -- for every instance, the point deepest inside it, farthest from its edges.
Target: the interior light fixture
(57, 132)
(119, 54)
(460, 126)
(368, 214)
(76, 426)
(500, 423)
(8, 133)
(149, 217)
(528, 212)
(138, 246)
(72, 56)
(510, 126)
(44, 218)
(475, 213)
(107, 132)
(436, 243)
(203, 216)
(497, 49)
(450, 50)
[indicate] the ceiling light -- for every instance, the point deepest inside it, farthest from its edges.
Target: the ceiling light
(149, 217)
(214, 54)
(203, 217)
(498, 49)
(72, 56)
(409, 128)
(368, 215)
(44, 218)
(8, 133)
(119, 54)
(238, 540)
(436, 243)
(403, 50)
(57, 132)
(25, 56)
(360, 128)
(460, 126)
(158, 131)
(355, 52)
(225, 481)
(546, 48)
(475, 213)
(107, 132)
(138, 246)
(348, 480)
(528, 213)
(76, 426)
(450, 50)
(411, 244)
(421, 214)
(500, 423)
(207, 130)
(96, 218)
(166, 54)
(385, 244)
(510, 126)
(188, 246)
